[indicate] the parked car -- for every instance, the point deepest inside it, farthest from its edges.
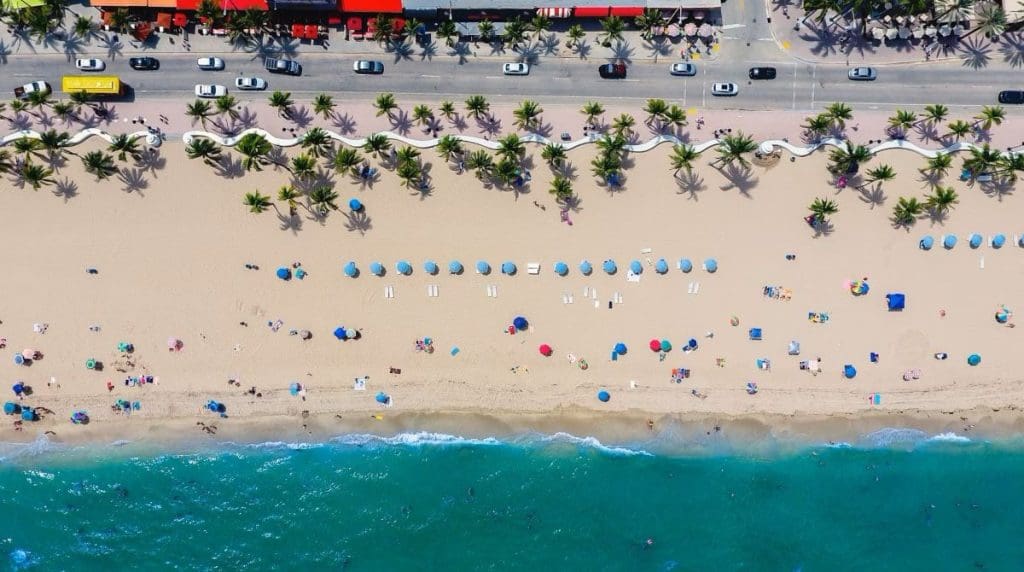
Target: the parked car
(612, 71)
(210, 90)
(863, 74)
(210, 64)
(762, 73)
(144, 63)
(682, 68)
(250, 83)
(90, 64)
(516, 68)
(368, 66)
(29, 88)
(1011, 96)
(724, 89)
(288, 67)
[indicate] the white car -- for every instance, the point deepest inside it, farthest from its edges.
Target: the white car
(724, 89)
(682, 68)
(210, 90)
(517, 68)
(90, 64)
(210, 64)
(862, 74)
(250, 83)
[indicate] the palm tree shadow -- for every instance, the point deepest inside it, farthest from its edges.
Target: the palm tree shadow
(999, 188)
(875, 196)
(287, 221)
(739, 177)
(568, 170)
(549, 44)
(1012, 50)
(543, 129)
(690, 183)
(462, 51)
(226, 125)
(825, 228)
(345, 123)
(72, 48)
(402, 51)
(300, 116)
(497, 48)
(937, 216)
(401, 122)
(574, 203)
(5, 51)
(247, 118)
(20, 122)
(66, 189)
(358, 222)
(928, 131)
(113, 47)
(822, 39)
(658, 48)
(151, 161)
(56, 161)
(134, 180)
(530, 54)
(975, 52)
(459, 123)
(229, 168)
(582, 49)
(930, 179)
(490, 125)
(622, 52)
(22, 37)
(429, 51)
(365, 182)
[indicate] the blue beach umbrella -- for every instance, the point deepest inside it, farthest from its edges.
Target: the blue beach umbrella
(711, 265)
(666, 346)
(455, 267)
(520, 323)
(1020, 241)
(403, 267)
(604, 396)
(294, 388)
(586, 268)
(350, 269)
(377, 268)
(19, 359)
(284, 273)
(355, 205)
(430, 267)
(620, 348)
(508, 267)
(382, 397)
(685, 265)
(18, 388)
(926, 243)
(482, 267)
(27, 414)
(339, 332)
(973, 359)
(975, 240)
(949, 241)
(849, 372)
(10, 408)
(661, 266)
(561, 268)
(635, 267)
(610, 267)
(691, 344)
(998, 240)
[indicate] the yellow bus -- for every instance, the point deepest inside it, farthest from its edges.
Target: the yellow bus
(92, 84)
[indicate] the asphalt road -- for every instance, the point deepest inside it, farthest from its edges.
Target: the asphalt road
(798, 86)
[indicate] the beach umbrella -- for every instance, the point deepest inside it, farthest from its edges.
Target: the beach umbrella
(655, 345)
(377, 268)
(609, 266)
(859, 287)
(545, 350)
(975, 240)
(849, 372)
(520, 323)
(351, 333)
(666, 346)
(355, 205)
(705, 31)
(18, 388)
(27, 414)
(351, 270)
(339, 332)
(1002, 316)
(403, 267)
(215, 406)
(620, 348)
(604, 396)
(998, 240)
(635, 267)
(294, 388)
(896, 301)
(973, 359)
(949, 241)
(174, 344)
(382, 397)
(430, 267)
(926, 242)
(586, 268)
(80, 417)
(711, 265)
(661, 266)
(455, 267)
(692, 344)
(29, 354)
(685, 265)
(18, 360)
(561, 268)
(305, 334)
(10, 408)
(284, 273)
(508, 267)
(482, 267)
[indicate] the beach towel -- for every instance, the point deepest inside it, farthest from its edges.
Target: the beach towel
(360, 384)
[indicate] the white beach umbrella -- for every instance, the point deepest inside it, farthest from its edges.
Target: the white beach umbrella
(930, 31)
(918, 33)
(945, 30)
(904, 32)
(891, 33)
(878, 33)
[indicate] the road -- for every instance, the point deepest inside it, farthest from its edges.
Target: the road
(798, 86)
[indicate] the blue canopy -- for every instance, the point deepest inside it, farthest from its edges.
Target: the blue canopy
(403, 267)
(604, 396)
(355, 205)
(998, 240)
(896, 300)
(620, 348)
(382, 397)
(215, 406)
(635, 267)
(755, 333)
(609, 266)
(949, 241)
(455, 267)
(350, 269)
(430, 267)
(10, 408)
(711, 265)
(973, 359)
(520, 323)
(586, 268)
(561, 268)
(849, 372)
(685, 265)
(927, 242)
(339, 332)
(661, 266)
(284, 273)
(508, 267)
(975, 240)
(482, 267)
(692, 343)
(18, 388)
(377, 268)
(27, 414)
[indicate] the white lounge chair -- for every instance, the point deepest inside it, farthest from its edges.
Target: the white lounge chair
(533, 268)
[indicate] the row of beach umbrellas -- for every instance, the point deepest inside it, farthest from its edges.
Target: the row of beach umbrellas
(404, 268)
(975, 240)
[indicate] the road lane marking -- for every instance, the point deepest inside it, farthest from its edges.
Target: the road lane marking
(431, 76)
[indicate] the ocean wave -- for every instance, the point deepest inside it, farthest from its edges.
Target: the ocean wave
(949, 438)
(904, 436)
(416, 439)
(592, 443)
(41, 446)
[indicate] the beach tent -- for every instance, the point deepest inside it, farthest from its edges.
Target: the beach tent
(586, 268)
(430, 267)
(610, 267)
(620, 348)
(604, 396)
(998, 240)
(711, 265)
(508, 267)
(545, 350)
(926, 243)
(482, 267)
(350, 269)
(80, 417)
(685, 265)
(949, 241)
(215, 406)
(520, 323)
(973, 359)
(661, 266)
(377, 268)
(403, 267)
(635, 267)
(18, 388)
(849, 372)
(284, 273)
(691, 344)
(382, 398)
(974, 241)
(339, 332)
(355, 205)
(1003, 315)
(455, 267)
(755, 333)
(561, 268)
(896, 301)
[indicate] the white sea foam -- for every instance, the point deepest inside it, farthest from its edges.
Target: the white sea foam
(890, 436)
(41, 446)
(412, 439)
(950, 438)
(590, 442)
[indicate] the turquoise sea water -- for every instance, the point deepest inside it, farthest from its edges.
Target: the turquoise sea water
(433, 502)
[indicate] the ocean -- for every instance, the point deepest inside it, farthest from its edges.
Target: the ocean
(894, 500)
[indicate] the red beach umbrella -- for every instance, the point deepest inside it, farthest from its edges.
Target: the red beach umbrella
(545, 350)
(655, 345)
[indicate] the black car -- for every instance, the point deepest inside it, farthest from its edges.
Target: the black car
(1011, 96)
(288, 67)
(612, 71)
(144, 63)
(762, 73)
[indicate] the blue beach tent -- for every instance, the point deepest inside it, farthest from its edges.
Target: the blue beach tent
(520, 323)
(635, 267)
(355, 205)
(711, 265)
(604, 396)
(403, 267)
(975, 240)
(849, 372)
(998, 240)
(610, 267)
(620, 348)
(483, 267)
(508, 267)
(284, 273)
(949, 241)
(755, 334)
(430, 267)
(896, 300)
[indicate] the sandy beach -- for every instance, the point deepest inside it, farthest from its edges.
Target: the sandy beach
(171, 259)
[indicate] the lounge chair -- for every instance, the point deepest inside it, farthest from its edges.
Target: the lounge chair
(533, 268)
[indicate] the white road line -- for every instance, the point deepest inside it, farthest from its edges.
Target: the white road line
(796, 68)
(814, 82)
(431, 76)
(493, 77)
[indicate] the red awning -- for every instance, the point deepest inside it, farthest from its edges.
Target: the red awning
(590, 12)
(334, 20)
(187, 4)
(244, 4)
(312, 32)
(355, 24)
(180, 19)
(624, 11)
(297, 31)
(163, 19)
(372, 6)
(554, 12)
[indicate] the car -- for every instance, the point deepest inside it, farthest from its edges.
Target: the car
(33, 87)
(210, 64)
(250, 83)
(862, 74)
(724, 89)
(368, 66)
(144, 63)
(287, 67)
(210, 90)
(1011, 96)
(683, 68)
(90, 64)
(516, 68)
(612, 71)
(761, 73)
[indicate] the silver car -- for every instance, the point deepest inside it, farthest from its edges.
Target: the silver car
(516, 68)
(250, 83)
(682, 68)
(209, 90)
(862, 74)
(724, 89)
(210, 64)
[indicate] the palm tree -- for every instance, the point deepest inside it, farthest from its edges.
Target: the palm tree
(407, 154)
(954, 11)
(409, 172)
(612, 146)
(100, 164)
(376, 144)
(511, 147)
(605, 166)
(821, 208)
(226, 104)
(481, 162)
(650, 18)
(38, 100)
(53, 141)
(982, 160)
(486, 29)
(623, 125)
(383, 28)
(540, 24)
(935, 113)
(655, 110)
(449, 146)
(939, 165)
(817, 125)
(323, 105)
(322, 198)
(990, 114)
(198, 109)
(734, 148)
(515, 33)
(254, 148)
(120, 20)
(17, 106)
(6, 164)
(205, 149)
(303, 166)
(35, 175)
(256, 202)
(675, 116)
(422, 114)
(210, 11)
(561, 187)
(411, 27)
(282, 102)
(592, 110)
(839, 113)
(28, 146)
(1010, 163)
(880, 174)
(906, 211)
(902, 120)
(506, 170)
(554, 154)
(958, 128)
(575, 34)
(125, 145)
(611, 29)
(385, 104)
(77, 98)
(318, 142)
(942, 200)
(288, 195)
(820, 8)
(84, 27)
(527, 115)
(64, 110)
(990, 19)
(477, 105)
(847, 158)
(346, 159)
(447, 109)
(447, 30)
(683, 157)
